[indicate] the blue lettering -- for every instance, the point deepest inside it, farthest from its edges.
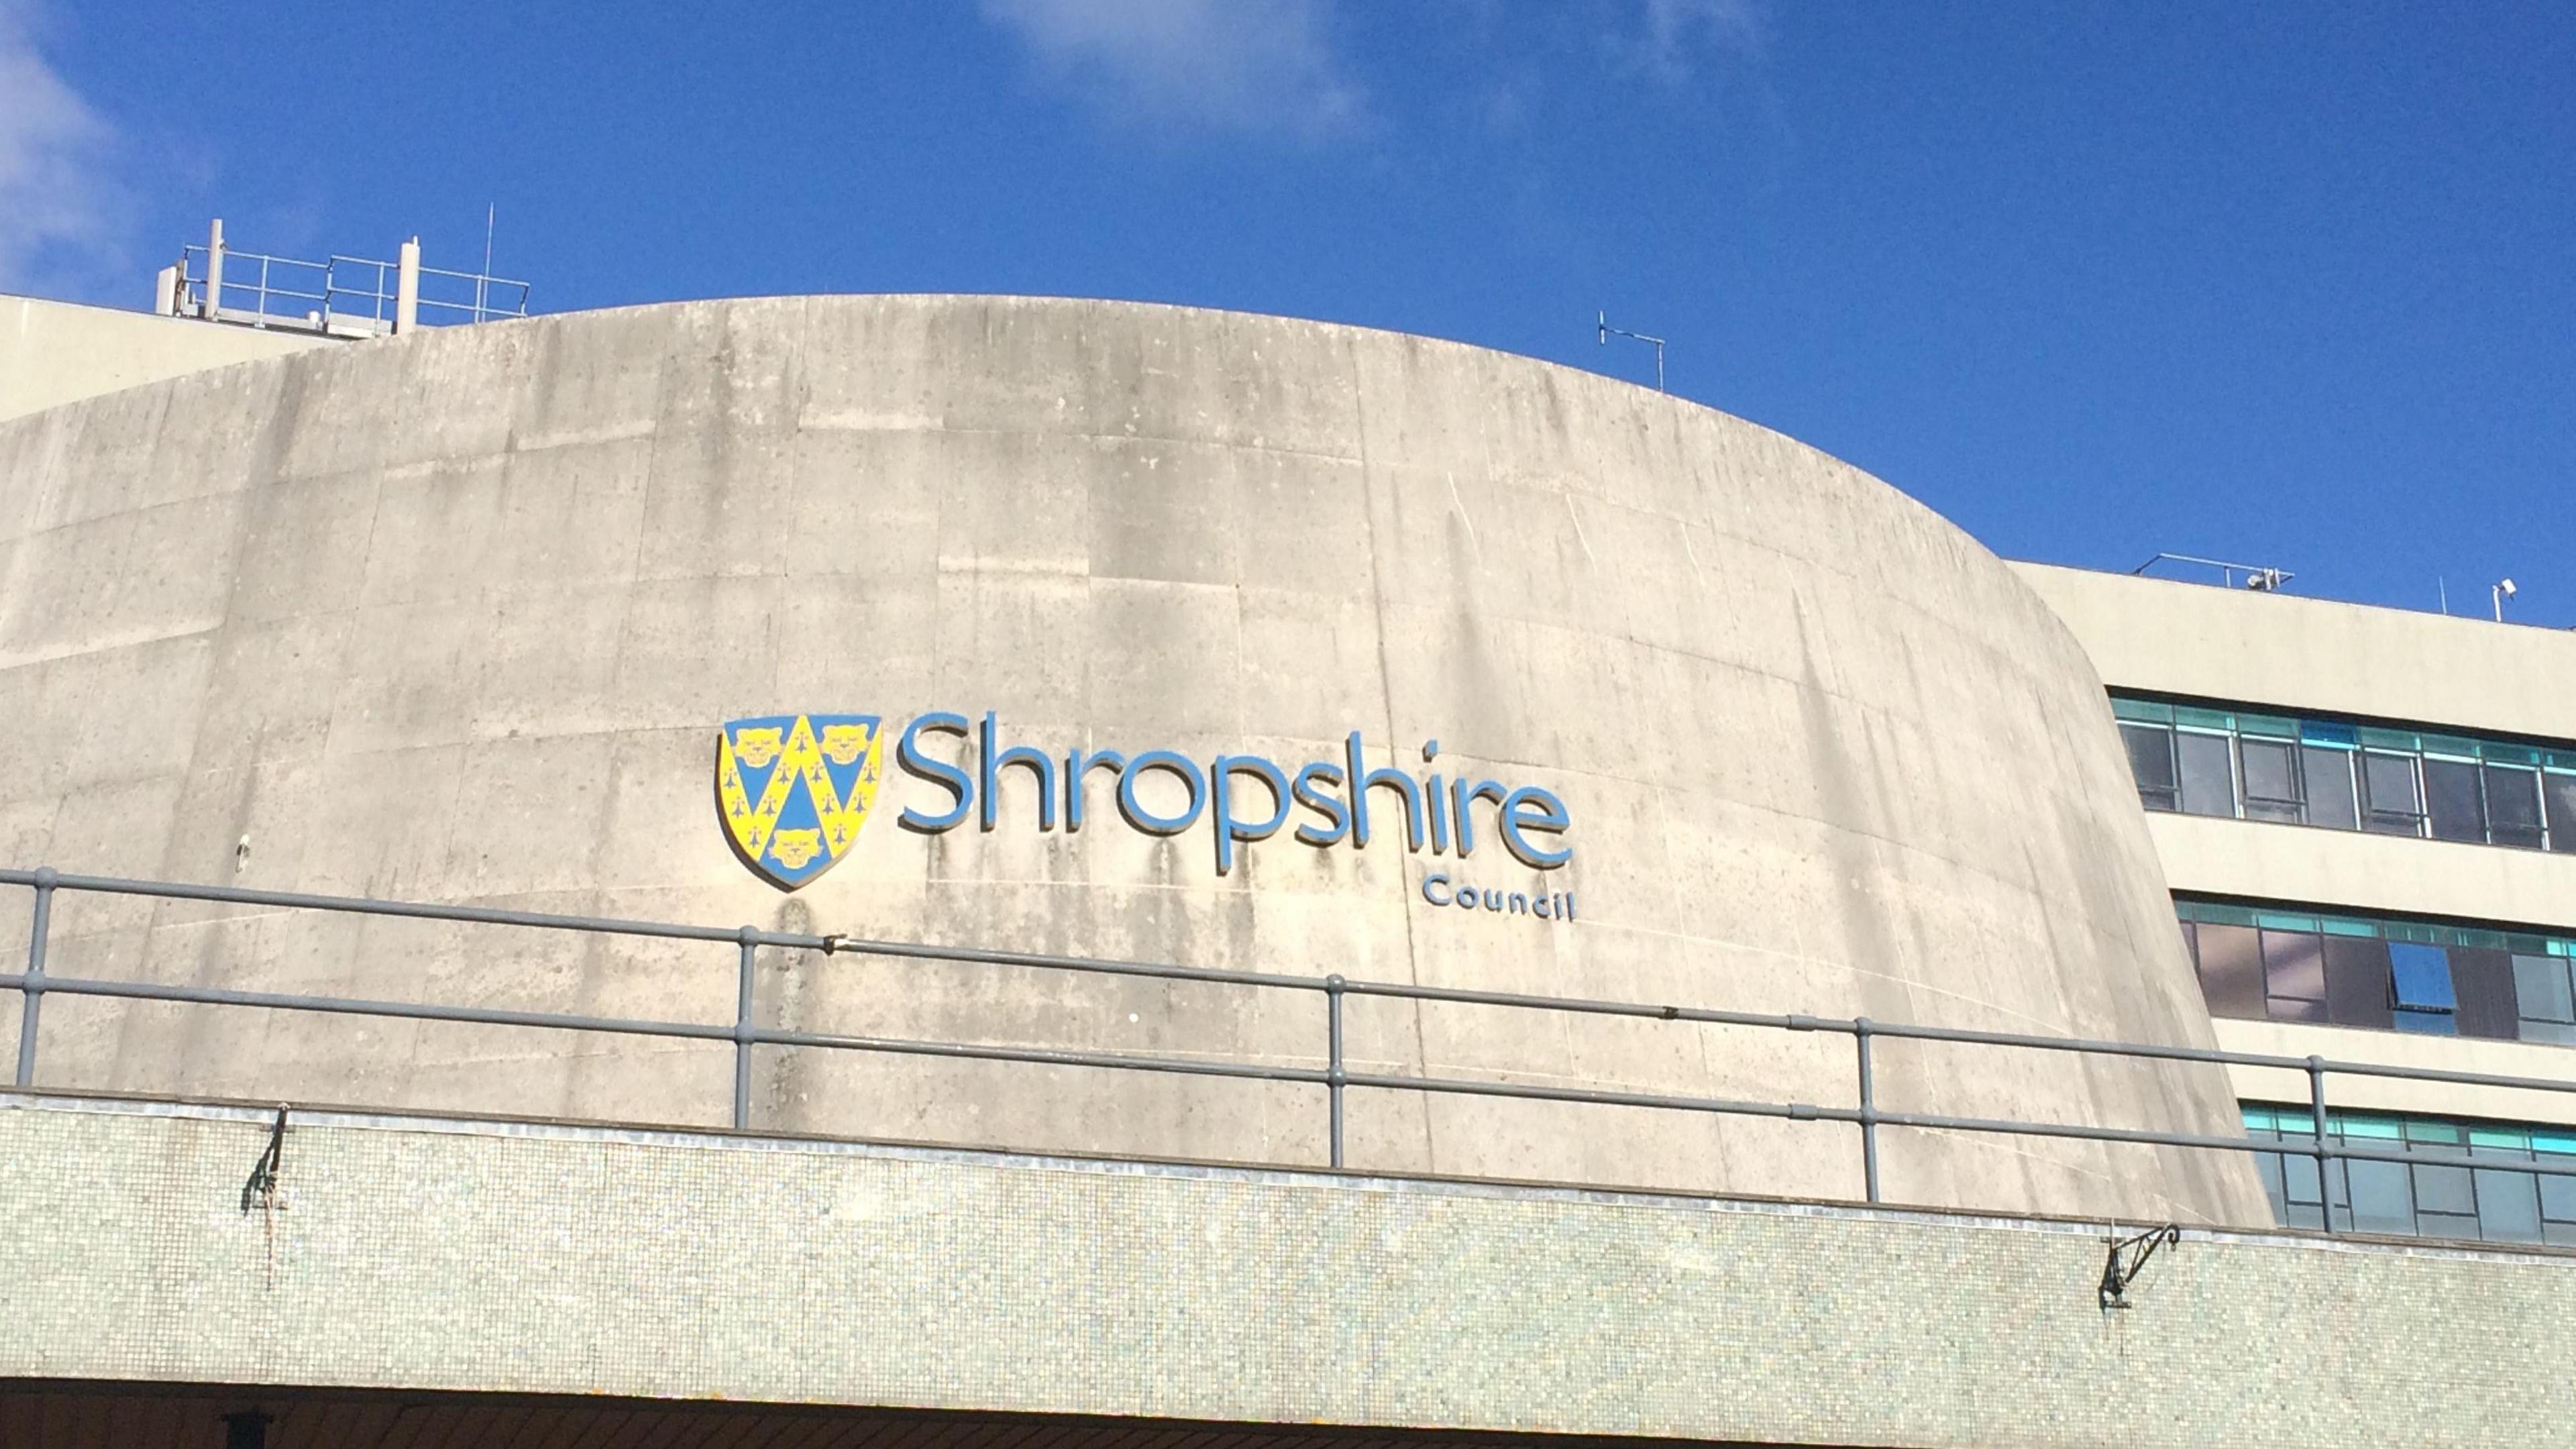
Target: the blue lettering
(1363, 778)
(1549, 817)
(1078, 765)
(1134, 810)
(1229, 830)
(1435, 879)
(992, 765)
(1328, 806)
(947, 777)
(1468, 794)
(1330, 799)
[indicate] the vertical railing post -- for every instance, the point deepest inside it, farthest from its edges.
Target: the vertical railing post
(1861, 1030)
(406, 288)
(1334, 1075)
(2317, 1116)
(31, 995)
(750, 937)
(214, 271)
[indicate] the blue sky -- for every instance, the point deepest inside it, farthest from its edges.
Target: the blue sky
(2291, 283)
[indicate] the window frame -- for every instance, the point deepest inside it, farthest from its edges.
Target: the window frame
(2310, 747)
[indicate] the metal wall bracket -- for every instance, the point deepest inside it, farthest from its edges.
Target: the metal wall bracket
(260, 1189)
(2125, 1258)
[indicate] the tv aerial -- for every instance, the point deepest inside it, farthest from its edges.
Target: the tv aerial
(1608, 332)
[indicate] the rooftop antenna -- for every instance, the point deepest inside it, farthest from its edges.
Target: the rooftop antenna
(1607, 331)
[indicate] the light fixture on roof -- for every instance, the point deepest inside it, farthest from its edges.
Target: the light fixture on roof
(2502, 591)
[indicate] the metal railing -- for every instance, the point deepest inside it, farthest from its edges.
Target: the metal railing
(255, 284)
(2258, 577)
(745, 1034)
(340, 294)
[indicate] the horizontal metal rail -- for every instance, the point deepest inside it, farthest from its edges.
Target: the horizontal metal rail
(2257, 576)
(345, 289)
(745, 1034)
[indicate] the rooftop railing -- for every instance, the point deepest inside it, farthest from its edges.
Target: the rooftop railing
(341, 296)
(1334, 1080)
(2258, 577)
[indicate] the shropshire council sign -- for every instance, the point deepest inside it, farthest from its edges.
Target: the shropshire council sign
(793, 791)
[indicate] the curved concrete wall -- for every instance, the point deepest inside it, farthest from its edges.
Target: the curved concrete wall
(457, 617)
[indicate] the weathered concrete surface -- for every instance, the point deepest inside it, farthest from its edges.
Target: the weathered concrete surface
(428, 1256)
(53, 353)
(456, 617)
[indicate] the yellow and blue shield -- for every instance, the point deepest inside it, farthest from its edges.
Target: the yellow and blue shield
(793, 790)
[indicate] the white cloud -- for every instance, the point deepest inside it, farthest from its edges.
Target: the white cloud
(1243, 65)
(57, 201)
(1680, 33)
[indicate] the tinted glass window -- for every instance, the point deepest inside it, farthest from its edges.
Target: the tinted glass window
(2394, 778)
(2208, 773)
(2543, 998)
(2513, 806)
(2560, 792)
(2327, 775)
(2231, 971)
(2271, 780)
(2420, 980)
(2383, 1197)
(2462, 1184)
(2558, 1207)
(2447, 1190)
(2151, 761)
(2451, 797)
(2294, 976)
(2508, 1207)
(2357, 982)
(2482, 979)
(2388, 794)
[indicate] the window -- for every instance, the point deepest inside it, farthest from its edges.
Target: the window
(2294, 976)
(2544, 998)
(2461, 1188)
(2393, 805)
(2293, 963)
(2272, 781)
(2326, 774)
(2513, 806)
(2151, 762)
(2453, 800)
(2558, 789)
(2420, 985)
(2236, 764)
(2208, 772)
(2230, 960)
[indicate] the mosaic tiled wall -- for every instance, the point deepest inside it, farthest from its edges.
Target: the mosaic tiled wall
(454, 1256)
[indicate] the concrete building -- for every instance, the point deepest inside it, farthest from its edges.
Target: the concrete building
(2368, 820)
(1633, 773)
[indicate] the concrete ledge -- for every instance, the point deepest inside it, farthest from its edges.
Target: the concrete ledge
(2289, 653)
(484, 1257)
(2348, 870)
(2544, 1061)
(53, 353)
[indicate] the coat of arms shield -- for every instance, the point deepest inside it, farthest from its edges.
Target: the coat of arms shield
(793, 790)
